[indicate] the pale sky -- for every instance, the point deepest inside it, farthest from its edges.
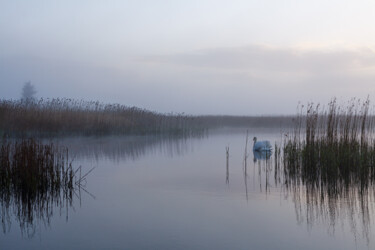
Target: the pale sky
(198, 57)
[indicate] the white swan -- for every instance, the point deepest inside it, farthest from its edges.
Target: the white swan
(261, 145)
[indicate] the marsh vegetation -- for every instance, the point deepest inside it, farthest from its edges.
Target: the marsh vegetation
(69, 117)
(62, 117)
(335, 149)
(329, 164)
(35, 178)
(324, 167)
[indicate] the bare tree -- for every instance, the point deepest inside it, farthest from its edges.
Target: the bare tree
(28, 91)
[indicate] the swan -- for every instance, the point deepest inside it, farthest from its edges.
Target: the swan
(261, 145)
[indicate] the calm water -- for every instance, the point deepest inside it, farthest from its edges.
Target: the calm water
(152, 193)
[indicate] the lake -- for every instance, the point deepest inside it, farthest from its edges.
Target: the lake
(148, 192)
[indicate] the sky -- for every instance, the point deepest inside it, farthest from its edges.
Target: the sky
(197, 57)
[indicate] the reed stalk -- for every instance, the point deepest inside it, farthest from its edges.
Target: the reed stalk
(34, 178)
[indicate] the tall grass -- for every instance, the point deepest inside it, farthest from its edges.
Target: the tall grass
(34, 177)
(336, 146)
(61, 117)
(329, 161)
(73, 117)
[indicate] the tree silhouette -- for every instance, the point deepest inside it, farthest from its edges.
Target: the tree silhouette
(28, 91)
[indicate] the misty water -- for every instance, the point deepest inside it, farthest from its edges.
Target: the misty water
(149, 192)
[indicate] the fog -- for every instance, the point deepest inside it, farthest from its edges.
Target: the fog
(244, 58)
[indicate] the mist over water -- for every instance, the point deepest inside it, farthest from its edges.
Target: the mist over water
(149, 192)
(206, 58)
(154, 105)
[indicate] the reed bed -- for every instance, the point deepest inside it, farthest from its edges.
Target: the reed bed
(53, 117)
(329, 161)
(61, 117)
(34, 177)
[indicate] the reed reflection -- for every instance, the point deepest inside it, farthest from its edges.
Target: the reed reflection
(35, 180)
(329, 165)
(263, 162)
(261, 155)
(227, 165)
(124, 148)
(331, 202)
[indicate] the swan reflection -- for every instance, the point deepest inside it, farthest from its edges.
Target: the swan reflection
(261, 155)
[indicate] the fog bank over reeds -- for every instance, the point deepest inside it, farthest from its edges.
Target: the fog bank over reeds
(66, 117)
(245, 122)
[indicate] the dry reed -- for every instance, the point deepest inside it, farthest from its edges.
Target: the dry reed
(53, 117)
(34, 178)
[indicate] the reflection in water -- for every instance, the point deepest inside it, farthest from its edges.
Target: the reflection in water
(31, 210)
(245, 176)
(36, 179)
(122, 148)
(314, 204)
(227, 164)
(246, 155)
(261, 155)
(32, 207)
(332, 202)
(262, 160)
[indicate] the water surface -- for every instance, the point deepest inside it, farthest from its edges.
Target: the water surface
(177, 193)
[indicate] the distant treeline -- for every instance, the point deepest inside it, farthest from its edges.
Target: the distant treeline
(59, 117)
